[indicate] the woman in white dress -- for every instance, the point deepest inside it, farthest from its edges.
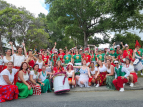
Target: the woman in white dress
(8, 90)
(84, 75)
(71, 74)
(93, 71)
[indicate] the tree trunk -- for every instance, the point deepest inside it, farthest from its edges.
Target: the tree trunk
(1, 49)
(85, 40)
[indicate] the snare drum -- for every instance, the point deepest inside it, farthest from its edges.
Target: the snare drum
(138, 65)
(60, 82)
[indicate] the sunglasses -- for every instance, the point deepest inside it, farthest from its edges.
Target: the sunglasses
(115, 63)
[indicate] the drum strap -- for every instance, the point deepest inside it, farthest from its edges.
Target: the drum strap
(129, 53)
(139, 53)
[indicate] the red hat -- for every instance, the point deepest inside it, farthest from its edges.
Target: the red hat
(137, 44)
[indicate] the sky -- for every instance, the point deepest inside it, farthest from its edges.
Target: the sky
(37, 6)
(34, 6)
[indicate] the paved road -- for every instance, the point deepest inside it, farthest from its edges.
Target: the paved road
(81, 99)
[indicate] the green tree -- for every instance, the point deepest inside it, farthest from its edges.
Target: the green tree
(127, 38)
(84, 18)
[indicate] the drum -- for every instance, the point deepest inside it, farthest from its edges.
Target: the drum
(60, 82)
(138, 65)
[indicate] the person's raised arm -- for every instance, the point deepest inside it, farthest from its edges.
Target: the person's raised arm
(113, 45)
(77, 66)
(25, 52)
(95, 49)
(122, 45)
(12, 47)
(54, 46)
(89, 49)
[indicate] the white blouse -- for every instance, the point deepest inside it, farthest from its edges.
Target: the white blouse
(10, 76)
(18, 60)
(70, 73)
(40, 64)
(6, 61)
(93, 72)
(34, 76)
(103, 69)
(25, 77)
(130, 68)
(43, 76)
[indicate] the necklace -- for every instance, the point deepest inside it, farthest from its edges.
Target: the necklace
(35, 72)
(43, 74)
(127, 65)
(10, 71)
(24, 72)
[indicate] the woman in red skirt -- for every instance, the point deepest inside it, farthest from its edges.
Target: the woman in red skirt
(133, 76)
(8, 90)
(100, 77)
(34, 78)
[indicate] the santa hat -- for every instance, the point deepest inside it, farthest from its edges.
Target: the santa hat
(137, 44)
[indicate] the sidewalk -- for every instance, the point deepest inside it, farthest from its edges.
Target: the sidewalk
(137, 86)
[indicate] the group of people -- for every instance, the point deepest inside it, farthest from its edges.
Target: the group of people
(32, 73)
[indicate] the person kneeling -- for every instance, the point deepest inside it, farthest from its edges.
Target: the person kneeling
(8, 90)
(44, 83)
(34, 79)
(24, 88)
(121, 76)
(71, 74)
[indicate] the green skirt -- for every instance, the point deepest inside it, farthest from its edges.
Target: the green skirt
(109, 84)
(23, 90)
(46, 86)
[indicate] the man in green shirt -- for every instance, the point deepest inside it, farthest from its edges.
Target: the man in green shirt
(67, 57)
(100, 56)
(113, 54)
(77, 58)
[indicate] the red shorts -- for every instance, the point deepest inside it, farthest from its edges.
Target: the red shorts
(70, 79)
(90, 79)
